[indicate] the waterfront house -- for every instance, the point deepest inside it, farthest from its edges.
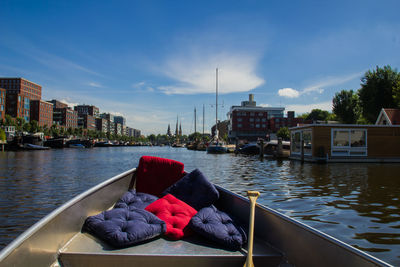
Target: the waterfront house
(345, 143)
(388, 116)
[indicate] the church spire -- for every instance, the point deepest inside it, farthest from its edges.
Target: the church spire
(169, 130)
(176, 129)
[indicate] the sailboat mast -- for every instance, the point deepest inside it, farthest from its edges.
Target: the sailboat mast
(216, 103)
(195, 119)
(203, 120)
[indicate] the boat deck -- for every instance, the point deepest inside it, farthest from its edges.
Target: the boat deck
(86, 250)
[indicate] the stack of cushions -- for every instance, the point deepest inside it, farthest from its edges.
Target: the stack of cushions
(141, 215)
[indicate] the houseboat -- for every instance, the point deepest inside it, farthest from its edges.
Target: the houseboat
(345, 143)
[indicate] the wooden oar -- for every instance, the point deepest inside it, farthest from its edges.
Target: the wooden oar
(253, 195)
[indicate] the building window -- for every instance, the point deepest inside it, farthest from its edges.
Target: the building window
(260, 114)
(251, 119)
(239, 119)
(299, 137)
(349, 142)
(251, 113)
(263, 119)
(257, 125)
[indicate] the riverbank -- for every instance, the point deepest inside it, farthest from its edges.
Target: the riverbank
(356, 203)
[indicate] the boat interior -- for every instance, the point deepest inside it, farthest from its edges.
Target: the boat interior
(83, 249)
(57, 239)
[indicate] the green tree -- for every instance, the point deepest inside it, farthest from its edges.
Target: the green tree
(9, 121)
(346, 106)
(195, 136)
(283, 133)
(379, 89)
(34, 126)
(19, 124)
(2, 135)
(318, 115)
(152, 138)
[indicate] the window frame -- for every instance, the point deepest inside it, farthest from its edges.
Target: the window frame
(349, 151)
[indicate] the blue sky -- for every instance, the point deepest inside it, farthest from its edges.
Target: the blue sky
(152, 61)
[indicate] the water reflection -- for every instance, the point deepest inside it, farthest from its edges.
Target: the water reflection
(356, 203)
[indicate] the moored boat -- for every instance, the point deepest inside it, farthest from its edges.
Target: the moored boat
(76, 146)
(35, 147)
(57, 239)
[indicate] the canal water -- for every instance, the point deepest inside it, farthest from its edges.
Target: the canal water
(356, 203)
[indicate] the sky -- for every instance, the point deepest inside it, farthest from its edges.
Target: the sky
(155, 61)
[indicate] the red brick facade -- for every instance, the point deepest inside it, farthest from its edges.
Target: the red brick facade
(65, 117)
(42, 112)
(2, 103)
(19, 94)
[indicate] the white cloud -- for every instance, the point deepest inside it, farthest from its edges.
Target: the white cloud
(94, 84)
(300, 109)
(289, 93)
(318, 87)
(196, 73)
(70, 104)
(138, 85)
(265, 105)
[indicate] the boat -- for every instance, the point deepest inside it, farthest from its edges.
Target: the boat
(55, 142)
(249, 149)
(216, 146)
(277, 149)
(78, 143)
(35, 147)
(76, 146)
(103, 144)
(57, 239)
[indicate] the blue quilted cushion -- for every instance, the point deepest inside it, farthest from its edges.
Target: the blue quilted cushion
(132, 200)
(195, 190)
(123, 227)
(218, 227)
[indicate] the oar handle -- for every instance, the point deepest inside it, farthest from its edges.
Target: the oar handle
(252, 195)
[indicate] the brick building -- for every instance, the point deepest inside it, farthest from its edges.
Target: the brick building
(2, 103)
(101, 125)
(276, 123)
(65, 117)
(249, 121)
(120, 119)
(87, 122)
(42, 112)
(58, 104)
(19, 93)
(87, 110)
(118, 128)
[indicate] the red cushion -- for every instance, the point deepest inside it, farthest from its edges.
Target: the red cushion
(154, 174)
(175, 213)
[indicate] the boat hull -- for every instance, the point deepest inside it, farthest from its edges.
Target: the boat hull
(216, 149)
(51, 241)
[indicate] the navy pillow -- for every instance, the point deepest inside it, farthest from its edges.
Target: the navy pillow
(122, 227)
(132, 200)
(195, 190)
(218, 227)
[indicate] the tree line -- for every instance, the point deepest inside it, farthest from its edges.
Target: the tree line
(380, 88)
(56, 131)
